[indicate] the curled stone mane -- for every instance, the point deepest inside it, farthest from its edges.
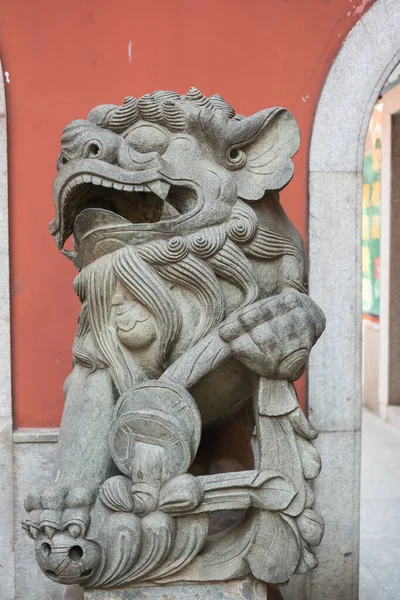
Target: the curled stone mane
(166, 108)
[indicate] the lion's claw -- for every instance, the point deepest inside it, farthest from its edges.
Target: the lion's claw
(58, 508)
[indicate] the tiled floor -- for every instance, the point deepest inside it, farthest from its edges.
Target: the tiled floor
(380, 510)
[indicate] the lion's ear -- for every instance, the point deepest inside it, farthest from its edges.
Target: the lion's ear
(263, 151)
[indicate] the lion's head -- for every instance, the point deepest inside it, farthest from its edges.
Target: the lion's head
(164, 165)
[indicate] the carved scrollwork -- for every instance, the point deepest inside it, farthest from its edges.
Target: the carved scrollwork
(208, 242)
(243, 224)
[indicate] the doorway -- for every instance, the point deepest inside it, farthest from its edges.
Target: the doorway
(380, 447)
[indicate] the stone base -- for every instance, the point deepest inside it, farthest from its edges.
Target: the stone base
(239, 589)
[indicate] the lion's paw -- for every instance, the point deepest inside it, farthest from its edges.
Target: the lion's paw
(58, 508)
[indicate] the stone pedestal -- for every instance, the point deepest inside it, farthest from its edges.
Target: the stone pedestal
(239, 589)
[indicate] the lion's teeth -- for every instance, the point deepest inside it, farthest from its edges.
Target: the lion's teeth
(117, 186)
(86, 178)
(96, 180)
(107, 183)
(128, 188)
(159, 188)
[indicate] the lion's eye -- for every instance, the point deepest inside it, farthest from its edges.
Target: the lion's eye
(236, 156)
(147, 138)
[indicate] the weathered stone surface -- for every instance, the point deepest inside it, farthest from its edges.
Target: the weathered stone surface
(243, 589)
(194, 314)
(336, 199)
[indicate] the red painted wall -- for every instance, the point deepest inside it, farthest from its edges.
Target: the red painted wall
(64, 58)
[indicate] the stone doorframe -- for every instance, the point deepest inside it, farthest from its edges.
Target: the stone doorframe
(366, 59)
(6, 443)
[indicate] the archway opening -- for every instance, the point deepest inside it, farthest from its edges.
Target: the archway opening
(380, 263)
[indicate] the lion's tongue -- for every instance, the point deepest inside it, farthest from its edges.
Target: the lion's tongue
(92, 219)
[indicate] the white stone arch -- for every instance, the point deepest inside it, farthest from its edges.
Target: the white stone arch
(6, 444)
(367, 57)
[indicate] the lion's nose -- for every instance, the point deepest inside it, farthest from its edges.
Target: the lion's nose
(132, 160)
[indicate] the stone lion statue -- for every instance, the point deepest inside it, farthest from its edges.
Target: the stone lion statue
(194, 323)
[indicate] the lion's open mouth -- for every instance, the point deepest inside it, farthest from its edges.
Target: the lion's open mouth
(150, 202)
